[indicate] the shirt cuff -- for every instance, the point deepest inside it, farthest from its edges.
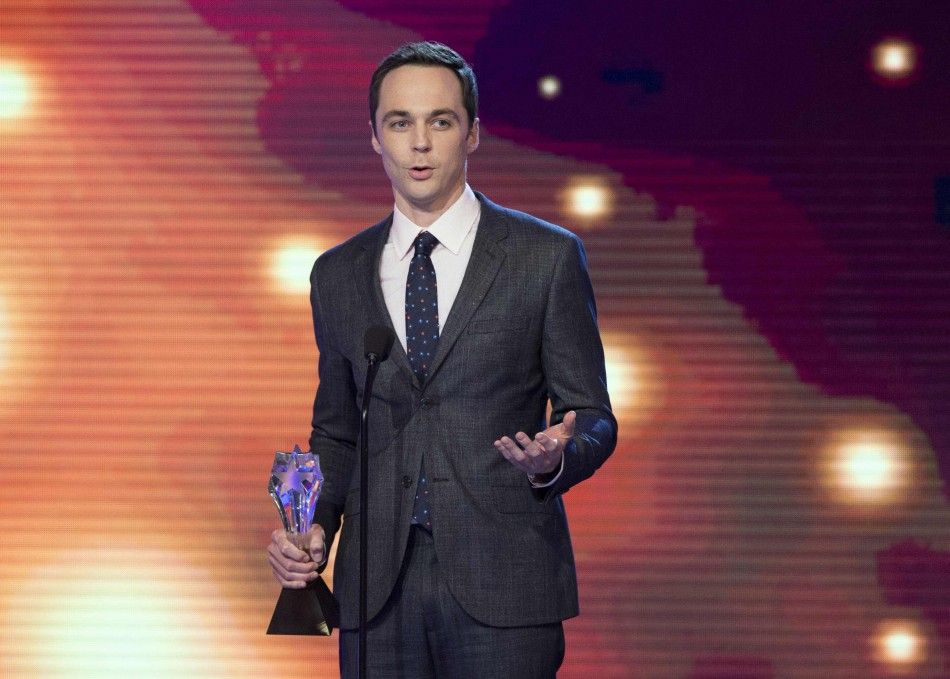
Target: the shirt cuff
(545, 480)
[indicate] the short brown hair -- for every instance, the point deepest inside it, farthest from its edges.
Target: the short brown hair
(427, 54)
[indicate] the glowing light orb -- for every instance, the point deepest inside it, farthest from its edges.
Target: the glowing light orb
(588, 198)
(622, 376)
(894, 58)
(634, 379)
(900, 644)
(549, 86)
(291, 264)
(14, 90)
(4, 334)
(868, 465)
(117, 613)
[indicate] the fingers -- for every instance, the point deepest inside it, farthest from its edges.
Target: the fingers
(289, 573)
(536, 456)
(531, 448)
(542, 454)
(511, 451)
(293, 568)
(284, 545)
(546, 442)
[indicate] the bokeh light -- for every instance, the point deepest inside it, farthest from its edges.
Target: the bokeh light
(622, 376)
(894, 59)
(291, 262)
(181, 167)
(5, 322)
(14, 90)
(549, 86)
(633, 379)
(900, 645)
(588, 198)
(117, 612)
(867, 465)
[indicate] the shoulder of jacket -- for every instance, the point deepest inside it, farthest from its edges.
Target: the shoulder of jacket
(342, 255)
(523, 224)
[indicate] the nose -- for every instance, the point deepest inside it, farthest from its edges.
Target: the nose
(420, 139)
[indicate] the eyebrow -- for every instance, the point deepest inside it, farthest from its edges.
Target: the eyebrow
(434, 114)
(395, 114)
(439, 112)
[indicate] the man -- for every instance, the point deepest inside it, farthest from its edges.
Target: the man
(470, 563)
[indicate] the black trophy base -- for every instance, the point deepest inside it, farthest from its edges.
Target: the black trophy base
(311, 611)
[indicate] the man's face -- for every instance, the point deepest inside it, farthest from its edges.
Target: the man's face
(423, 136)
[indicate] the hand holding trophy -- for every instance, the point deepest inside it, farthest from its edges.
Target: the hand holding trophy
(295, 484)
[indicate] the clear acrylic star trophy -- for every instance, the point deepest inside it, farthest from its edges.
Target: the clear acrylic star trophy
(295, 484)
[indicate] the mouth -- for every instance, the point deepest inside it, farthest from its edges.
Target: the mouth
(420, 172)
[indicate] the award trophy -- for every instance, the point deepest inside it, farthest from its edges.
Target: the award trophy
(295, 484)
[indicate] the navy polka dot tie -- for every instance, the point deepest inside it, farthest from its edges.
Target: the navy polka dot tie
(422, 336)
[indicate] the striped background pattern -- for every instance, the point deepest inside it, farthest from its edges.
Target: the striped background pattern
(156, 349)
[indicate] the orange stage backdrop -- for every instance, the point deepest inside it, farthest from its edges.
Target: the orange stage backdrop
(156, 349)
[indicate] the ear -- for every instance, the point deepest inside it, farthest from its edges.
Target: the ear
(472, 141)
(373, 140)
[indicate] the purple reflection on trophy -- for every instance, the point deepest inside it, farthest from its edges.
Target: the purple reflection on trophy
(295, 483)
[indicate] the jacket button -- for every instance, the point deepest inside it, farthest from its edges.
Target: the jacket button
(425, 402)
(406, 481)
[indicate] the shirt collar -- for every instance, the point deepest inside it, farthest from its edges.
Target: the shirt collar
(450, 228)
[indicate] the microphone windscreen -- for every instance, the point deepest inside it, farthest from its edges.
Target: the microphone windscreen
(378, 340)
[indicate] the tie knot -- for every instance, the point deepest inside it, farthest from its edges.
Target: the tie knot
(424, 243)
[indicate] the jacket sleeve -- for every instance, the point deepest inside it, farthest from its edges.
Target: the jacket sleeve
(335, 425)
(572, 357)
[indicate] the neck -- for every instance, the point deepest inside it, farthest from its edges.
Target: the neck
(425, 215)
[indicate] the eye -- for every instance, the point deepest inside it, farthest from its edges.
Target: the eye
(441, 124)
(399, 124)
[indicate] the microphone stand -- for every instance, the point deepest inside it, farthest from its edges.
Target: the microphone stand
(371, 368)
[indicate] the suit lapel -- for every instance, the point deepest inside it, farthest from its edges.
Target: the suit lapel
(487, 257)
(486, 260)
(366, 272)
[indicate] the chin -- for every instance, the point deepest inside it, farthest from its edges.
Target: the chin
(424, 197)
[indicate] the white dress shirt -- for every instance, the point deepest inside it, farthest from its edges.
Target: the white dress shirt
(455, 229)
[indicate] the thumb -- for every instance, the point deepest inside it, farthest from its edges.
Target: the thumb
(568, 423)
(317, 538)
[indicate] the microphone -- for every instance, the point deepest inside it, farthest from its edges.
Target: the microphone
(377, 342)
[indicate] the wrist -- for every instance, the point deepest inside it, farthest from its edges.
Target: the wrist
(542, 477)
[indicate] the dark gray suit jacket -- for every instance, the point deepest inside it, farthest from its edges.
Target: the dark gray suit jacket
(522, 329)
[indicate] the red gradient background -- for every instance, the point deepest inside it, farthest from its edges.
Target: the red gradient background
(151, 361)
